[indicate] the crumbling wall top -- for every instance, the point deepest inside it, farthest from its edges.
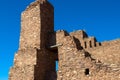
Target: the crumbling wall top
(79, 34)
(35, 3)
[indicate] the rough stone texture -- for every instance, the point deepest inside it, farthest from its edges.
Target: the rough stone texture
(109, 52)
(80, 57)
(36, 16)
(78, 64)
(34, 61)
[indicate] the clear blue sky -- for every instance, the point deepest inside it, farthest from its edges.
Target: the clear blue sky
(100, 18)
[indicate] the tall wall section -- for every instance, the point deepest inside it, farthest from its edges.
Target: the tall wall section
(34, 61)
(37, 21)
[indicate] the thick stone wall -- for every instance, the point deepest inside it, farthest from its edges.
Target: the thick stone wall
(33, 64)
(79, 56)
(37, 21)
(108, 52)
(34, 61)
(78, 64)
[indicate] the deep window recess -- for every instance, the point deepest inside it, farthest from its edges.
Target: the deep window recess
(90, 44)
(85, 44)
(87, 71)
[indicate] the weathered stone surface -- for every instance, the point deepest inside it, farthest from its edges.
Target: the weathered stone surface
(77, 64)
(36, 16)
(79, 56)
(34, 61)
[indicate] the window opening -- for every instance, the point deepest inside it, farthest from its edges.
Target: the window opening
(87, 71)
(56, 65)
(85, 44)
(90, 44)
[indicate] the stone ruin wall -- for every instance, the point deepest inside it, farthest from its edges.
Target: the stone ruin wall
(108, 51)
(76, 63)
(33, 61)
(80, 57)
(36, 15)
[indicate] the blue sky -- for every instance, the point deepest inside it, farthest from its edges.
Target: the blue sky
(100, 18)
